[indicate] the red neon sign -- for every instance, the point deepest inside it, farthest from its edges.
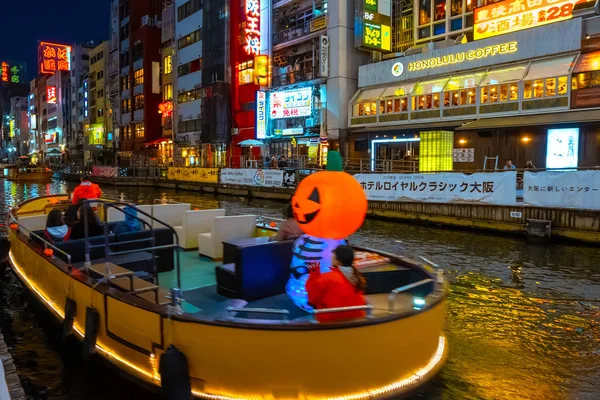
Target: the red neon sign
(252, 30)
(166, 109)
(54, 57)
(4, 72)
(51, 94)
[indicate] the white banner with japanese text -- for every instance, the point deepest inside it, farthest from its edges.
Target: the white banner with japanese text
(258, 177)
(564, 189)
(492, 188)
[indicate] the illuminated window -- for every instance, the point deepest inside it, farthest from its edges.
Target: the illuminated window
(126, 105)
(138, 102)
(246, 73)
(188, 9)
(190, 39)
(460, 90)
(191, 67)
(436, 20)
(139, 131)
(138, 77)
(168, 92)
(168, 65)
(125, 83)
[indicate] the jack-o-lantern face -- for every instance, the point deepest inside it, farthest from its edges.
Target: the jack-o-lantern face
(329, 204)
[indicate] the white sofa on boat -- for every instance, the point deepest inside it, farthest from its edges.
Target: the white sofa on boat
(210, 244)
(170, 214)
(117, 216)
(33, 223)
(194, 223)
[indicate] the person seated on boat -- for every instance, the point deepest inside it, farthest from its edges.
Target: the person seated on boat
(343, 286)
(289, 229)
(86, 190)
(56, 228)
(71, 216)
(130, 224)
(86, 214)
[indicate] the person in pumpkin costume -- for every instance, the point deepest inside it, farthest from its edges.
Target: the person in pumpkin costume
(329, 206)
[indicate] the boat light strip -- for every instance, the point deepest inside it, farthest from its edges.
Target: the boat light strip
(418, 375)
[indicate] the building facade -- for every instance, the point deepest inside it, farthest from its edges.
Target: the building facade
(140, 59)
(503, 96)
(78, 111)
(164, 145)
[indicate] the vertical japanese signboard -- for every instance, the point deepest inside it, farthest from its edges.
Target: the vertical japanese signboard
(54, 57)
(516, 15)
(12, 72)
(372, 27)
(252, 29)
(51, 94)
(261, 115)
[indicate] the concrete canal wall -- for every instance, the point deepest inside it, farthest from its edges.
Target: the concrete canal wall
(521, 219)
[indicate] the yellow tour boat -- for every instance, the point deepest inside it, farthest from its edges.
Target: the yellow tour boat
(217, 322)
(29, 174)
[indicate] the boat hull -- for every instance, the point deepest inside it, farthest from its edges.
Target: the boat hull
(370, 360)
(31, 176)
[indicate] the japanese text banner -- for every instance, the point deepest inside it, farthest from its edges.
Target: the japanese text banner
(492, 188)
(258, 177)
(565, 189)
(194, 174)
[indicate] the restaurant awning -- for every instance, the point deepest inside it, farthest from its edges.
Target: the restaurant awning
(568, 117)
(155, 142)
(417, 126)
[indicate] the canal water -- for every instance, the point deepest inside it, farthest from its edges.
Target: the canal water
(523, 319)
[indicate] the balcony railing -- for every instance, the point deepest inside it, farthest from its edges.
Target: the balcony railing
(289, 78)
(300, 30)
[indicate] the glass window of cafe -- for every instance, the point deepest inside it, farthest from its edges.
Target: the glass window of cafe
(460, 90)
(586, 73)
(548, 78)
(395, 99)
(366, 102)
(438, 18)
(426, 94)
(502, 85)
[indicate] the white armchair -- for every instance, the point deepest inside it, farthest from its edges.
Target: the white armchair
(195, 222)
(170, 214)
(33, 223)
(225, 228)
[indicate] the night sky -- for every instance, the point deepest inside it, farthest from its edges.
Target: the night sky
(24, 22)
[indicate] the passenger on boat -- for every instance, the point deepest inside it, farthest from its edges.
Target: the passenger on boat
(86, 190)
(56, 228)
(289, 229)
(131, 223)
(343, 286)
(94, 228)
(71, 216)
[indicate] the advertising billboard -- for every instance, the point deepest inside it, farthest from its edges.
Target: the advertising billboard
(54, 57)
(563, 148)
(51, 94)
(511, 16)
(261, 115)
(373, 25)
(12, 71)
(291, 103)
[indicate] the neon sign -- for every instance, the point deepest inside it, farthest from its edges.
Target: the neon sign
(54, 57)
(50, 138)
(375, 23)
(261, 115)
(483, 52)
(252, 29)
(51, 94)
(291, 103)
(166, 109)
(4, 71)
(516, 15)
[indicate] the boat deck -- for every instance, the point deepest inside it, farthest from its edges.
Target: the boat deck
(198, 283)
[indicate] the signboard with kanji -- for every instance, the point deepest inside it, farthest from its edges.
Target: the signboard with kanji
(12, 71)
(51, 94)
(54, 57)
(515, 15)
(252, 27)
(373, 25)
(291, 103)
(562, 189)
(491, 188)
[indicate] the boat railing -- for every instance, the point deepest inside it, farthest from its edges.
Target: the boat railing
(367, 307)
(271, 311)
(120, 206)
(402, 289)
(46, 243)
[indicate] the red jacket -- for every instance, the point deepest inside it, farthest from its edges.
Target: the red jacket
(86, 190)
(332, 290)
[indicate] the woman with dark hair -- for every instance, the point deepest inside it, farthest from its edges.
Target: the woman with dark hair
(343, 286)
(56, 229)
(71, 215)
(289, 229)
(86, 215)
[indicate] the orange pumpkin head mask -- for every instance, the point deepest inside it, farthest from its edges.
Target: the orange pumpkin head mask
(329, 204)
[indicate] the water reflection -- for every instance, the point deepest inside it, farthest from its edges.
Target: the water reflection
(523, 318)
